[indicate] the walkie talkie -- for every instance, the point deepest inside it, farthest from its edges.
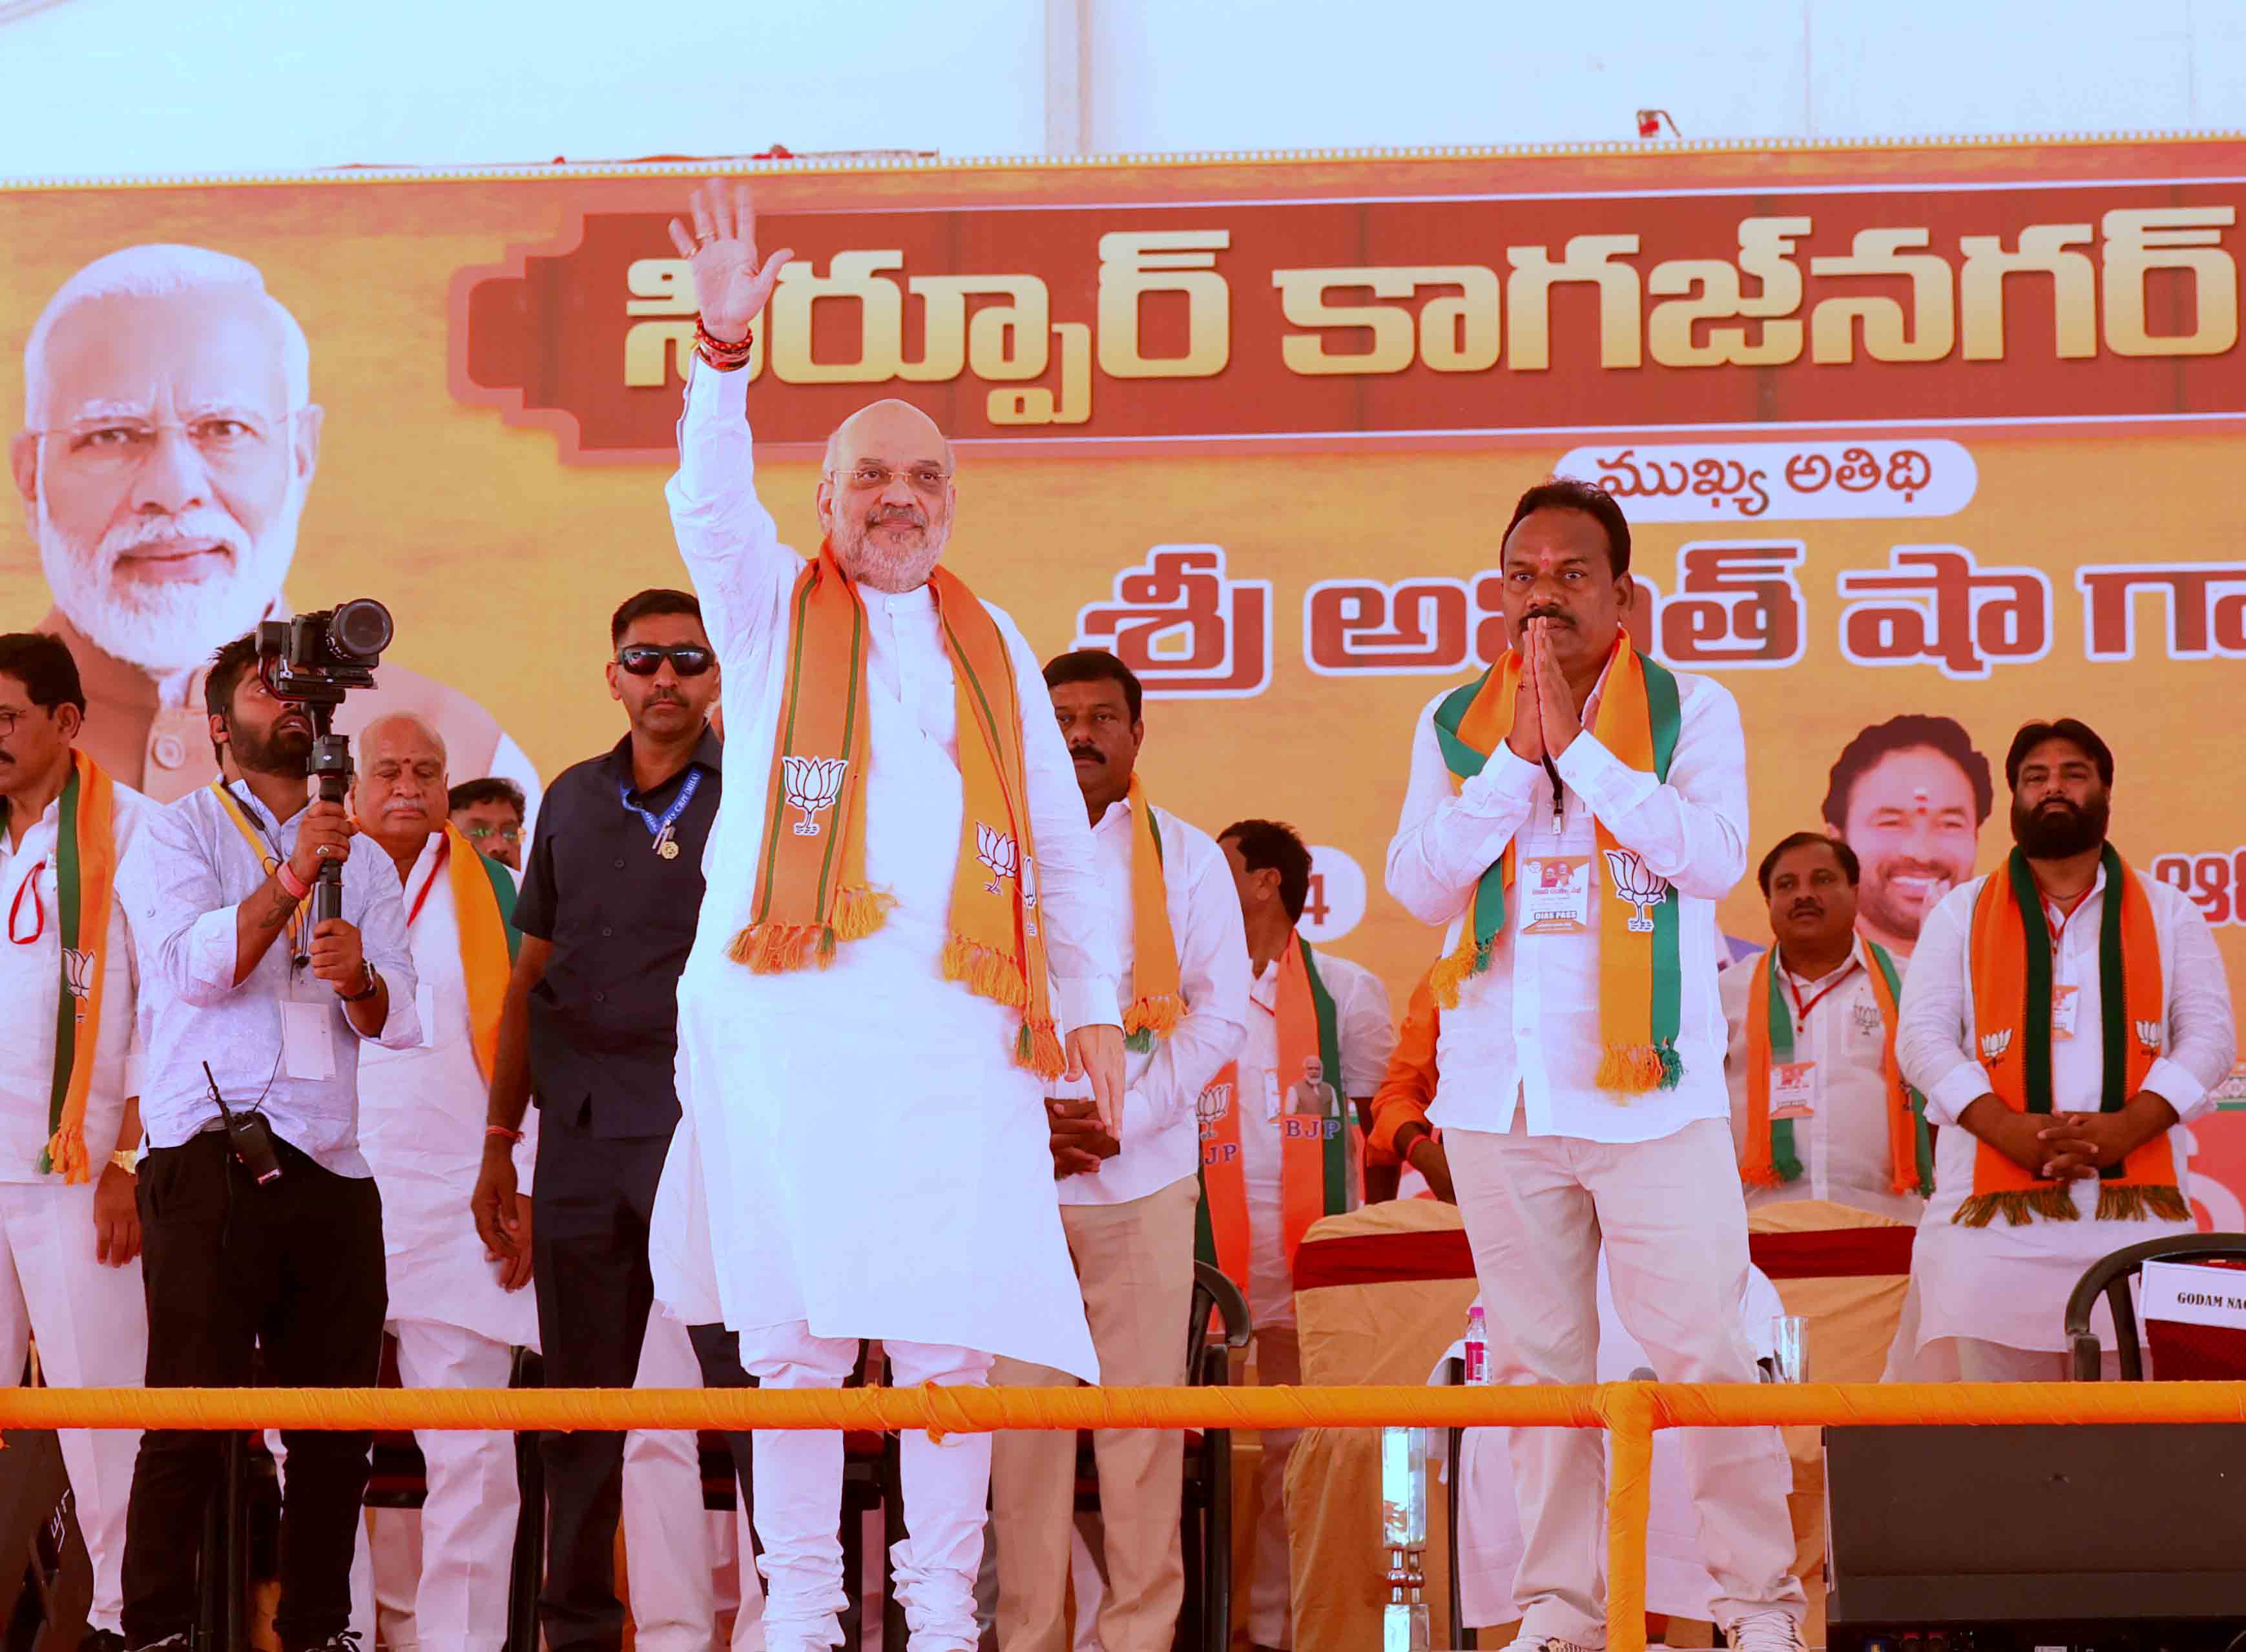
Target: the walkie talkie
(247, 1136)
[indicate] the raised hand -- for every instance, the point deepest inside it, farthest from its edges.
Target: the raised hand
(1556, 706)
(730, 285)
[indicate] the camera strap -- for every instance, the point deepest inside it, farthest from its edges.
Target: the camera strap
(267, 853)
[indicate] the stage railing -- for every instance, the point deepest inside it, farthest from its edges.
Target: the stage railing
(1629, 1412)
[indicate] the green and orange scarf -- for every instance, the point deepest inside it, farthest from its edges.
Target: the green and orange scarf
(1771, 1158)
(1314, 1150)
(85, 890)
(2010, 962)
(483, 910)
(1641, 982)
(812, 892)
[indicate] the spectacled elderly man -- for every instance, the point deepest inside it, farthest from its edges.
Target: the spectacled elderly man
(169, 441)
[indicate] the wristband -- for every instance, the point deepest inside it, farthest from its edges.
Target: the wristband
(500, 1132)
(725, 358)
(285, 876)
(127, 1160)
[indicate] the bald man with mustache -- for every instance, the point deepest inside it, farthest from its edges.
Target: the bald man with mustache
(902, 940)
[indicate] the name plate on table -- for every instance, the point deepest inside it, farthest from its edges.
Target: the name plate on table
(2185, 1294)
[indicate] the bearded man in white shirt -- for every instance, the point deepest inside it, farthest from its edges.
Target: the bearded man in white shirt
(866, 1025)
(1128, 1197)
(2066, 1016)
(70, 1107)
(1573, 817)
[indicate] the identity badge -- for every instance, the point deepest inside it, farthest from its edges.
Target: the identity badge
(1556, 894)
(1793, 1090)
(2064, 1003)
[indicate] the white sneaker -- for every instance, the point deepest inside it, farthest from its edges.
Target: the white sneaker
(1773, 1631)
(1552, 1643)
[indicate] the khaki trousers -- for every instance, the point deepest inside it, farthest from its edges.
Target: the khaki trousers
(1673, 1222)
(1135, 1262)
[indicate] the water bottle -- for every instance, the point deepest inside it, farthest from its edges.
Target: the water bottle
(1477, 1349)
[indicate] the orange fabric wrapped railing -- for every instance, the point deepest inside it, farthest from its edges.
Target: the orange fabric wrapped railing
(1631, 1411)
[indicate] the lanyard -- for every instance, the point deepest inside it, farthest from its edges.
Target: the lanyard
(38, 908)
(436, 871)
(258, 846)
(660, 830)
(1802, 1010)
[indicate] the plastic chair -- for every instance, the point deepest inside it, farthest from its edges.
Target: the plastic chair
(2110, 1277)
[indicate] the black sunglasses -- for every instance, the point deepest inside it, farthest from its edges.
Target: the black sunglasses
(646, 659)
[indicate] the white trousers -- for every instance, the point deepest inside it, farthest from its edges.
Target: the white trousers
(459, 1544)
(90, 1322)
(798, 1498)
(1674, 1224)
(674, 1547)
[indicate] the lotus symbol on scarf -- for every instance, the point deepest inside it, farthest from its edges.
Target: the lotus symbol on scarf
(1993, 1045)
(996, 850)
(77, 970)
(811, 783)
(2149, 1034)
(1635, 884)
(1212, 1104)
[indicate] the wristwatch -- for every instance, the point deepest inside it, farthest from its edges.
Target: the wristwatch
(367, 991)
(126, 1160)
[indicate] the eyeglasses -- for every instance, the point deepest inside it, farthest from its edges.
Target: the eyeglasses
(504, 833)
(646, 659)
(869, 477)
(9, 719)
(224, 441)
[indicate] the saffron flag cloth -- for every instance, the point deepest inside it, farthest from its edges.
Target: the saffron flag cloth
(85, 876)
(2011, 966)
(483, 902)
(1157, 1000)
(1771, 1158)
(1314, 1153)
(812, 892)
(1640, 978)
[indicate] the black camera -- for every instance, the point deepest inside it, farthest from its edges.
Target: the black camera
(316, 658)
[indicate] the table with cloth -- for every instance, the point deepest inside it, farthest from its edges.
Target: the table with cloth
(1381, 1293)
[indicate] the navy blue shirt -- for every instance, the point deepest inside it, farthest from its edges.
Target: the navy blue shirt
(620, 916)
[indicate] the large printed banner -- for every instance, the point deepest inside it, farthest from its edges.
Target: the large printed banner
(1917, 443)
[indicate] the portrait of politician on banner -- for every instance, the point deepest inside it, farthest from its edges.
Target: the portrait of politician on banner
(168, 444)
(1910, 796)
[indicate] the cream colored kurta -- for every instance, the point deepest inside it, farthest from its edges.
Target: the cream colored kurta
(421, 1116)
(875, 1162)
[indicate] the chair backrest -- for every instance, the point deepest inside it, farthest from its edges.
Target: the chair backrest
(2110, 1276)
(1213, 1296)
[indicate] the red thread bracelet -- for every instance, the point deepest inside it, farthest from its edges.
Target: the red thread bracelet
(492, 1133)
(724, 356)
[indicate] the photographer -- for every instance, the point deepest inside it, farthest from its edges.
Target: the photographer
(236, 1257)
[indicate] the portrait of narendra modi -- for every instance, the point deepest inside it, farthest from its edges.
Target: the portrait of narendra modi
(169, 444)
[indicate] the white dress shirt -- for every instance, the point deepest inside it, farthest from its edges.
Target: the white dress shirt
(187, 874)
(1363, 1023)
(877, 1163)
(30, 985)
(422, 1110)
(2010, 1285)
(1843, 1143)
(1528, 1026)
(1160, 1133)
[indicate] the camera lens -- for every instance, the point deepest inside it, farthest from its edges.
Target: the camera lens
(361, 629)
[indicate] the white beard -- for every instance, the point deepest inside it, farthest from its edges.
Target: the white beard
(170, 627)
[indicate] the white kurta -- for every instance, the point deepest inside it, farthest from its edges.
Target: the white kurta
(876, 1164)
(421, 1116)
(1363, 1023)
(2010, 1285)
